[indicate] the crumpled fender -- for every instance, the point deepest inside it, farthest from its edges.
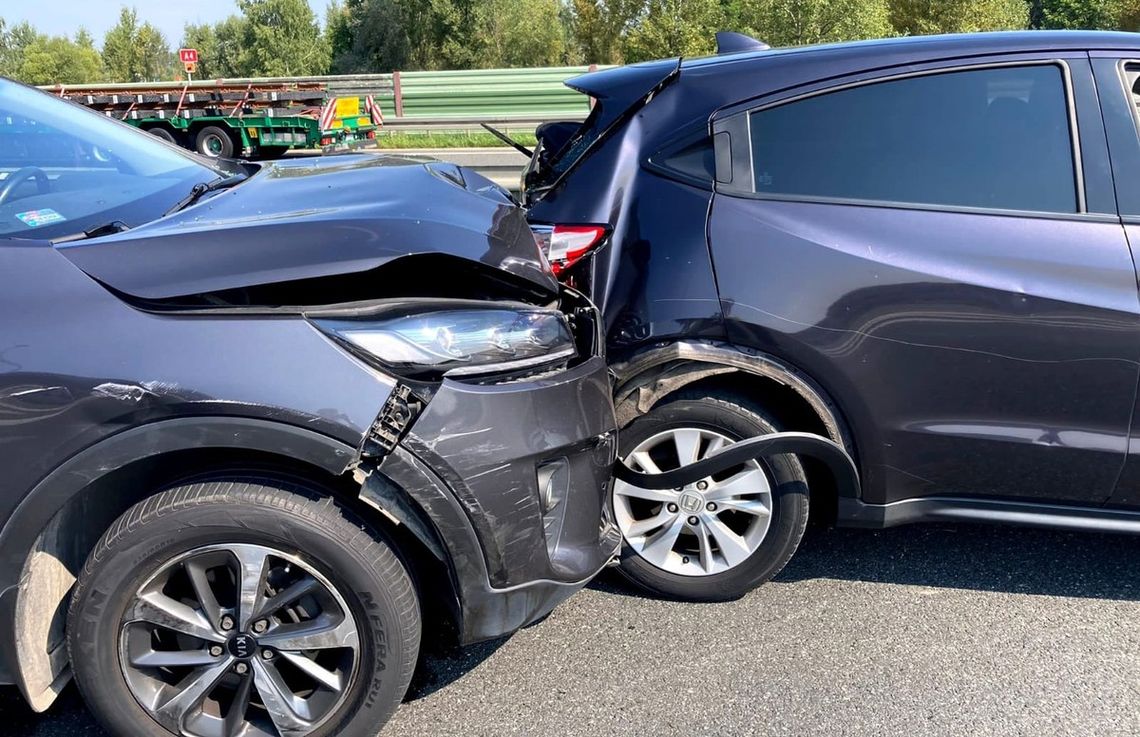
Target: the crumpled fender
(828, 452)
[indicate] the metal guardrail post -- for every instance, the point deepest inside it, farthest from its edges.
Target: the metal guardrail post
(398, 93)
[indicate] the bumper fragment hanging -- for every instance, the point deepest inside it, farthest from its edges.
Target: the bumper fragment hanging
(827, 451)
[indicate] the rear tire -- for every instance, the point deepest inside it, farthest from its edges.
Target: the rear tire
(690, 569)
(214, 142)
(335, 619)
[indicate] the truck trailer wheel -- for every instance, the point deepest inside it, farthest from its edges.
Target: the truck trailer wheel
(244, 605)
(214, 142)
(163, 134)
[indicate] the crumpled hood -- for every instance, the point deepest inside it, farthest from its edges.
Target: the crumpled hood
(314, 217)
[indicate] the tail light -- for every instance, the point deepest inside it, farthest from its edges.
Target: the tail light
(565, 245)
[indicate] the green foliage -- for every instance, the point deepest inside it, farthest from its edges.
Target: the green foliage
(519, 33)
(367, 35)
(796, 22)
(383, 35)
(134, 52)
(1118, 14)
(40, 59)
(280, 38)
(599, 26)
(60, 60)
(284, 38)
(13, 41)
(674, 28)
(919, 17)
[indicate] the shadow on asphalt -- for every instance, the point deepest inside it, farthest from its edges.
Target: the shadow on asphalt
(981, 558)
(976, 557)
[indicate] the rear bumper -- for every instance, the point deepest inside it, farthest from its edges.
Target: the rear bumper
(514, 479)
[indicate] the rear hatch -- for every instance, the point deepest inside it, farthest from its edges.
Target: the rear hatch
(617, 95)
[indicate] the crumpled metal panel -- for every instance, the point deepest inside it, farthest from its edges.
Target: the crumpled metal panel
(317, 217)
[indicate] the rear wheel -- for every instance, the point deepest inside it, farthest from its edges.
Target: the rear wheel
(721, 536)
(214, 142)
(244, 607)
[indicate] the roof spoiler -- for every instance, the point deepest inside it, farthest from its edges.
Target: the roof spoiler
(730, 42)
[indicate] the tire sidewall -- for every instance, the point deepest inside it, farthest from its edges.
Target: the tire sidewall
(98, 613)
(789, 501)
(227, 150)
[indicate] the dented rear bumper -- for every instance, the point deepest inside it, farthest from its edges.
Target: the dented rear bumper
(513, 477)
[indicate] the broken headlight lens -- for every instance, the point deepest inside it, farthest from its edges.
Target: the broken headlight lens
(461, 342)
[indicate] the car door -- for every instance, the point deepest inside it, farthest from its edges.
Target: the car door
(939, 249)
(1118, 90)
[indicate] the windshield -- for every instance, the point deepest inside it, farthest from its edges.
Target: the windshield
(65, 169)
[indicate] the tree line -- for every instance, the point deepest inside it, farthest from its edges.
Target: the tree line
(285, 38)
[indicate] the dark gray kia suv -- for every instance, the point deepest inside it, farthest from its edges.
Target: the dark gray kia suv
(253, 419)
(922, 248)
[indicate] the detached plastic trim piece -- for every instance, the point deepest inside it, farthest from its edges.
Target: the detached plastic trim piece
(799, 443)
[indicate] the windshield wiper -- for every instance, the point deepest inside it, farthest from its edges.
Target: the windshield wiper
(115, 226)
(201, 189)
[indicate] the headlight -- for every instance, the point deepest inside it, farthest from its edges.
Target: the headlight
(458, 342)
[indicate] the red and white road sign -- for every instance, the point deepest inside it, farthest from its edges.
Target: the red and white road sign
(188, 56)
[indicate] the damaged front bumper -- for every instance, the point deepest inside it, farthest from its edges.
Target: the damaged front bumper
(509, 482)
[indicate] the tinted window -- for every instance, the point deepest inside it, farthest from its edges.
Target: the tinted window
(690, 159)
(994, 138)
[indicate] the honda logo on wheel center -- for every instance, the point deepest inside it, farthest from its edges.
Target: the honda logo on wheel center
(692, 501)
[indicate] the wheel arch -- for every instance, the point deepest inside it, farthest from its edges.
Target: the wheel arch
(48, 538)
(793, 397)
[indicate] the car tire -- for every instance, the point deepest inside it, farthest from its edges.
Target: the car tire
(214, 142)
(346, 631)
(690, 570)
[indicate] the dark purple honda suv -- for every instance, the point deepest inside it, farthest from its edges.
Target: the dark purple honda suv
(921, 248)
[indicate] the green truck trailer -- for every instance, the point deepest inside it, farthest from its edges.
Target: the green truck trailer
(251, 118)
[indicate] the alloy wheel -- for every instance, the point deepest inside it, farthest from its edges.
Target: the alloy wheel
(239, 641)
(705, 528)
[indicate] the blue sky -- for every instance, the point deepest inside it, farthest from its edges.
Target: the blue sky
(58, 17)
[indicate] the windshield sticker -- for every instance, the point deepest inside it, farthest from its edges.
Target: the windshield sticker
(36, 218)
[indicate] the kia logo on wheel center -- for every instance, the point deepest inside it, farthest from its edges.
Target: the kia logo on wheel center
(242, 646)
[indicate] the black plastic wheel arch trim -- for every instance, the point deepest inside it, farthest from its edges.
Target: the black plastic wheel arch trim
(827, 451)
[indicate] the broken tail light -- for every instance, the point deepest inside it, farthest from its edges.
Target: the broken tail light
(565, 245)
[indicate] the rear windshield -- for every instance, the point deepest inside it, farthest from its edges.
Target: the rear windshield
(569, 152)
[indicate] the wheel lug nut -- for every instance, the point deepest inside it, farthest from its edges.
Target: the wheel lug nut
(684, 559)
(671, 507)
(711, 506)
(241, 669)
(694, 521)
(267, 654)
(702, 485)
(227, 623)
(215, 650)
(260, 626)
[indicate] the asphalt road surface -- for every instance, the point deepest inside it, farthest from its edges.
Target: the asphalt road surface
(914, 631)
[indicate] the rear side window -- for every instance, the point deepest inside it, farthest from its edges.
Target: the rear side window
(990, 138)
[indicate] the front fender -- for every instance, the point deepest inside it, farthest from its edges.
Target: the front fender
(31, 589)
